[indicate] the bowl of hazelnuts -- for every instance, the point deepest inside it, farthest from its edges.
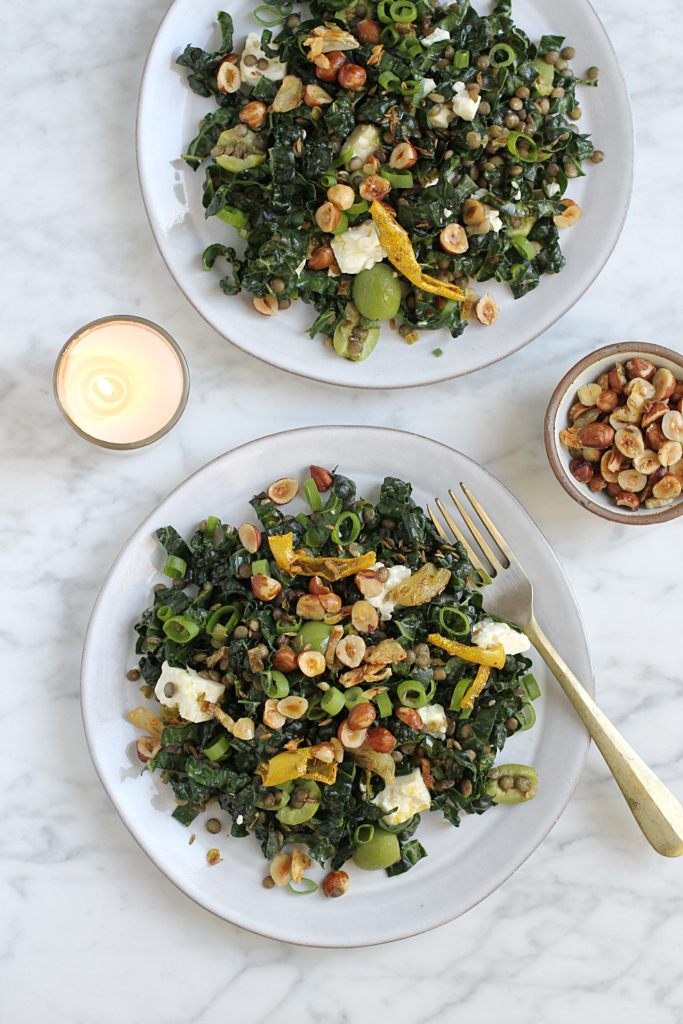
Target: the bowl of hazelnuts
(614, 433)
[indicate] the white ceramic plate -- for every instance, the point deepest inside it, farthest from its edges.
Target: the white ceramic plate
(464, 865)
(167, 121)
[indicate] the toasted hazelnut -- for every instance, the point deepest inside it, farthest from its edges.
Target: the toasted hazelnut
(315, 96)
(271, 716)
(316, 586)
(672, 425)
(596, 435)
(631, 480)
(570, 215)
(367, 31)
(327, 217)
(266, 306)
(655, 436)
(410, 717)
(265, 587)
(322, 478)
(647, 462)
(640, 368)
(322, 258)
(658, 502)
(350, 738)
(294, 707)
(335, 884)
(283, 491)
(454, 239)
(617, 379)
(361, 717)
(677, 469)
(603, 381)
(342, 196)
(588, 394)
(486, 310)
(331, 603)
(350, 650)
(281, 869)
(576, 411)
(607, 400)
(352, 76)
(613, 489)
(625, 414)
(597, 483)
(670, 453)
(628, 499)
(244, 729)
(250, 537)
(285, 659)
(570, 437)
(403, 155)
(375, 187)
(582, 470)
(364, 617)
(640, 386)
(309, 607)
(338, 749)
(312, 663)
(147, 748)
(228, 78)
(610, 465)
(592, 454)
(664, 384)
(629, 441)
(254, 114)
(324, 752)
(653, 411)
(473, 212)
(668, 487)
(369, 583)
(381, 740)
(337, 61)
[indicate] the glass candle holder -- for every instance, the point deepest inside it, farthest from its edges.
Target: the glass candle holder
(121, 382)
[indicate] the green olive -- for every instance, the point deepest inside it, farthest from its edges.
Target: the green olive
(250, 159)
(350, 347)
(377, 293)
(513, 784)
(382, 851)
(313, 634)
(295, 815)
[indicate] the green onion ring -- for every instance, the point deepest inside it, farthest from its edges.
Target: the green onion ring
(275, 684)
(381, 12)
(220, 632)
(458, 693)
(312, 495)
(164, 612)
(384, 705)
(181, 629)
(389, 36)
(512, 146)
(403, 12)
(531, 686)
(175, 567)
(398, 179)
(414, 686)
(355, 527)
(507, 50)
(527, 716)
(389, 81)
(361, 829)
(217, 749)
(332, 701)
(461, 59)
(312, 886)
(277, 18)
(449, 630)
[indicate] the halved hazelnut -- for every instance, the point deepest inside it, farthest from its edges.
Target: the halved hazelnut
(244, 729)
(375, 187)
(653, 411)
(364, 617)
(327, 217)
(266, 306)
(349, 738)
(628, 499)
(294, 707)
(283, 491)
(603, 381)
(250, 537)
(677, 469)
(588, 394)
(670, 453)
(147, 748)
(332, 644)
(640, 386)
(576, 410)
(315, 96)
(317, 587)
(265, 587)
(473, 212)
(454, 239)
(350, 650)
(309, 607)
(331, 603)
(629, 441)
(640, 368)
(610, 475)
(668, 487)
(312, 663)
(322, 258)
(647, 462)
(322, 478)
(402, 156)
(228, 78)
(618, 378)
(271, 716)
(337, 882)
(324, 752)
(369, 583)
(672, 425)
(631, 480)
(624, 415)
(664, 384)
(570, 215)
(486, 310)
(281, 869)
(298, 865)
(659, 502)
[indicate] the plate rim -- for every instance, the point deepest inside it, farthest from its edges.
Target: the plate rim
(157, 234)
(89, 728)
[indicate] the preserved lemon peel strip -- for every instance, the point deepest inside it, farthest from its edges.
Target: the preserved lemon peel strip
(299, 564)
(494, 656)
(396, 243)
(480, 681)
(293, 764)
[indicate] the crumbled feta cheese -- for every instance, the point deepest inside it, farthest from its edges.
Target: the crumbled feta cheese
(275, 71)
(384, 602)
(363, 141)
(434, 721)
(488, 633)
(189, 688)
(427, 85)
(447, 213)
(239, 820)
(436, 36)
(300, 267)
(358, 248)
(463, 104)
(408, 794)
(551, 188)
(440, 116)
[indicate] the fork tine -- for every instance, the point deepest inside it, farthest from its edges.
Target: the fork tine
(495, 533)
(476, 534)
(437, 526)
(459, 534)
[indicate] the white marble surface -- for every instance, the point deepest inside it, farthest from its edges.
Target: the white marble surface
(90, 931)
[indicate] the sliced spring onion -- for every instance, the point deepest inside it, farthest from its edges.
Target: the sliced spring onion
(403, 12)
(410, 47)
(359, 207)
(216, 628)
(342, 225)
(523, 246)
(275, 15)
(461, 59)
(328, 180)
(332, 701)
(315, 711)
(484, 578)
(217, 749)
(461, 621)
(382, 14)
(165, 612)
(504, 49)
(275, 684)
(414, 686)
(512, 146)
(384, 705)
(389, 36)
(212, 524)
(286, 625)
(459, 693)
(355, 529)
(231, 215)
(342, 158)
(312, 886)
(180, 629)
(312, 495)
(398, 179)
(410, 87)
(389, 81)
(175, 567)
(261, 565)
(354, 696)
(526, 717)
(364, 833)
(530, 685)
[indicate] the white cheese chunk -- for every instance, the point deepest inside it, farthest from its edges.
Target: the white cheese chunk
(189, 688)
(362, 142)
(440, 116)
(463, 104)
(384, 603)
(488, 633)
(408, 794)
(358, 248)
(435, 36)
(434, 721)
(275, 71)
(551, 188)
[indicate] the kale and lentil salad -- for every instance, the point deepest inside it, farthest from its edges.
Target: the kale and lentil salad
(381, 159)
(327, 677)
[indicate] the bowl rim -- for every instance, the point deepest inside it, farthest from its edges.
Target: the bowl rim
(550, 421)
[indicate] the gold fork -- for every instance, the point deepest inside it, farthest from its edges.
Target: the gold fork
(656, 810)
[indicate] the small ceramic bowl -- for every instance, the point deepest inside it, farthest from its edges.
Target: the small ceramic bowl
(586, 371)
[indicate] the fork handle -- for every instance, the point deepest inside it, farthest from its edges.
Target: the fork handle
(657, 811)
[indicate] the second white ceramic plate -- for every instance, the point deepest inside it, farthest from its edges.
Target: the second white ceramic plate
(167, 121)
(464, 865)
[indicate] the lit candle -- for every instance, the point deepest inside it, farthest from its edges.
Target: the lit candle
(121, 382)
